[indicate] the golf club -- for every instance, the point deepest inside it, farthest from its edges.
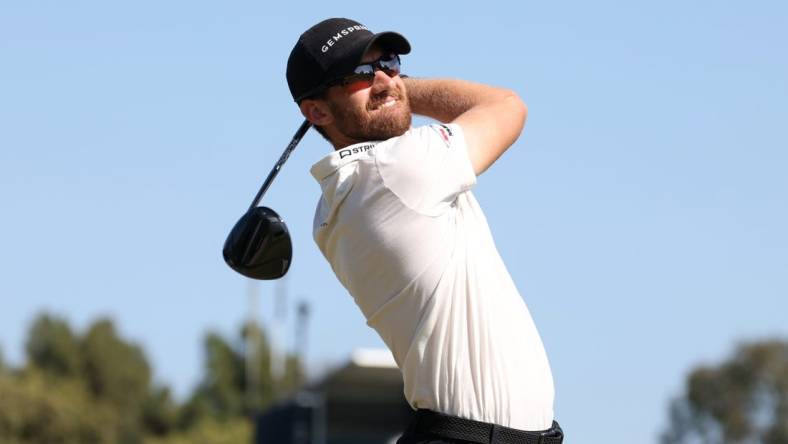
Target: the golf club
(259, 245)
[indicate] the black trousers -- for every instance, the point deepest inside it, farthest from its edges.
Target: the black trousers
(428, 427)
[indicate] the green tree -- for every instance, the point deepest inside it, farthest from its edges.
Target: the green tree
(52, 347)
(294, 374)
(232, 386)
(159, 412)
(258, 384)
(223, 377)
(236, 430)
(96, 388)
(117, 372)
(218, 395)
(742, 400)
(36, 409)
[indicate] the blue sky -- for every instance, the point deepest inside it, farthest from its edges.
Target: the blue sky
(642, 213)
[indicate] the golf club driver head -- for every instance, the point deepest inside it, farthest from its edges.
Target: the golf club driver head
(259, 245)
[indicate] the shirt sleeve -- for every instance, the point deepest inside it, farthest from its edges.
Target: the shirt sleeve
(427, 167)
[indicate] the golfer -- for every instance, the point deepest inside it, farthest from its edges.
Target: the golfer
(398, 222)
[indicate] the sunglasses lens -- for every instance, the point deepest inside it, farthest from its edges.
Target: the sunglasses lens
(365, 73)
(356, 78)
(390, 63)
(367, 69)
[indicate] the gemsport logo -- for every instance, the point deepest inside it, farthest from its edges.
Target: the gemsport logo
(342, 33)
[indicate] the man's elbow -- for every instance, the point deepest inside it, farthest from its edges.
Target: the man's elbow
(515, 111)
(518, 108)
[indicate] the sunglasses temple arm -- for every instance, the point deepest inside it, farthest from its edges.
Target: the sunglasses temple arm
(272, 175)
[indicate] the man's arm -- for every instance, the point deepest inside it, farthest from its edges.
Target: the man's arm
(491, 118)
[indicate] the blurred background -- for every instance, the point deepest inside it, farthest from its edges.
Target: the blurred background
(642, 213)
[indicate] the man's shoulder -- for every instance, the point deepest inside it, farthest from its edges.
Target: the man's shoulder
(446, 133)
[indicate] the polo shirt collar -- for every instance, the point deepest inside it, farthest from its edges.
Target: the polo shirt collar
(339, 158)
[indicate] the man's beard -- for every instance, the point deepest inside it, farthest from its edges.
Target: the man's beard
(381, 124)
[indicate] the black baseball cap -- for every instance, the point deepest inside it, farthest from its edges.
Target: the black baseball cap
(331, 50)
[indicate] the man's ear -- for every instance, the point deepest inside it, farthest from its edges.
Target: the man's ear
(316, 111)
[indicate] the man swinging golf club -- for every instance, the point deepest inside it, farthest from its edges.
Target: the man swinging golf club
(404, 234)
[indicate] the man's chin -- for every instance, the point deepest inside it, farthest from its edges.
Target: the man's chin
(393, 128)
(379, 124)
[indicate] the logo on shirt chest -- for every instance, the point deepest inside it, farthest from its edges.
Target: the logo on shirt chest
(444, 131)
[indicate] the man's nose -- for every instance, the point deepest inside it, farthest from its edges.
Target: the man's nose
(381, 82)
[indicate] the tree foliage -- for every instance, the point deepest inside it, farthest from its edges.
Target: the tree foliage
(36, 409)
(742, 400)
(115, 370)
(237, 379)
(52, 347)
(210, 431)
(97, 388)
(159, 412)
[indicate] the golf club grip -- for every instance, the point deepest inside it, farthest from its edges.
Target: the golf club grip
(297, 138)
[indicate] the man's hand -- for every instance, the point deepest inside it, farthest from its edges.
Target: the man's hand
(491, 118)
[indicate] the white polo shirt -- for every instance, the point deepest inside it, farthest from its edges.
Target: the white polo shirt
(406, 237)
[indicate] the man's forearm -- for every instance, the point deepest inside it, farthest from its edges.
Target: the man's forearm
(445, 99)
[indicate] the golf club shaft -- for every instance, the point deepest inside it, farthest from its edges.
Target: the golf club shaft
(297, 138)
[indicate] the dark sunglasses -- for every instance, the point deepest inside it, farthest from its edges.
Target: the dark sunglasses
(389, 64)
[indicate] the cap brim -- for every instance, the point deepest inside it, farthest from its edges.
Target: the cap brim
(390, 41)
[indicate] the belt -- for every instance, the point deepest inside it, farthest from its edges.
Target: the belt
(452, 427)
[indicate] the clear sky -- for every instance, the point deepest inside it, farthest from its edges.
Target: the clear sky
(642, 214)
